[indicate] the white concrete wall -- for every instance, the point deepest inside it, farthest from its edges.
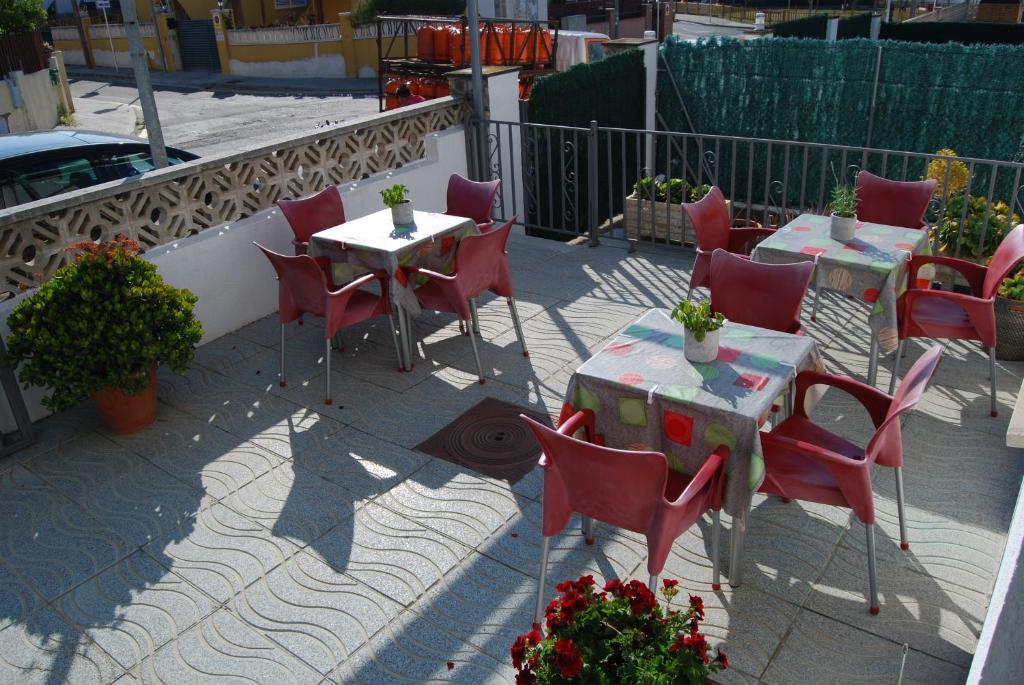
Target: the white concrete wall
(38, 104)
(74, 57)
(234, 282)
(107, 58)
(324, 66)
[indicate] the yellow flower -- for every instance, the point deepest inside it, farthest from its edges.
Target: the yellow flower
(958, 172)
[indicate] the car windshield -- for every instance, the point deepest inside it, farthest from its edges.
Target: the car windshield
(52, 177)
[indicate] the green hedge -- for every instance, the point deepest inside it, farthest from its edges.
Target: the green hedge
(585, 92)
(857, 26)
(968, 33)
(808, 27)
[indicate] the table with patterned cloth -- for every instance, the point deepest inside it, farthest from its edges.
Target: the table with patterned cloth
(375, 242)
(872, 267)
(645, 395)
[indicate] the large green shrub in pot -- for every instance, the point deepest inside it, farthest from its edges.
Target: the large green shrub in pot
(980, 223)
(101, 322)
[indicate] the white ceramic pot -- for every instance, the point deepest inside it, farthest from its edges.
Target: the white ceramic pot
(843, 228)
(401, 214)
(703, 352)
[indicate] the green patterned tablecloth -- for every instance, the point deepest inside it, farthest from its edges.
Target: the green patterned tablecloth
(646, 396)
(872, 267)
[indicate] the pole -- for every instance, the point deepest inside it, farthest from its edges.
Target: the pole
(615, 29)
(477, 82)
(113, 53)
(146, 99)
(874, 97)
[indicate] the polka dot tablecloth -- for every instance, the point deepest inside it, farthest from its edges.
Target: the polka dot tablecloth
(872, 267)
(645, 395)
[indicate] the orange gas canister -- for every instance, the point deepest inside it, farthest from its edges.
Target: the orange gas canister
(428, 88)
(442, 89)
(442, 44)
(459, 46)
(390, 93)
(425, 43)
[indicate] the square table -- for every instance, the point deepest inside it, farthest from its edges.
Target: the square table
(872, 267)
(376, 242)
(645, 395)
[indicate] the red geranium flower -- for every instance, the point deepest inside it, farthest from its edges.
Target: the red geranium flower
(669, 583)
(722, 659)
(526, 678)
(697, 604)
(641, 599)
(568, 659)
(522, 644)
(615, 587)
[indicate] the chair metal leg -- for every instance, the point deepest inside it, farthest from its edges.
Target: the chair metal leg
(814, 307)
(518, 326)
(476, 317)
(689, 291)
(992, 379)
(739, 530)
(716, 534)
(872, 577)
(896, 366)
(282, 382)
(328, 399)
(904, 543)
(588, 530)
(476, 353)
(394, 339)
(652, 584)
(873, 360)
(538, 613)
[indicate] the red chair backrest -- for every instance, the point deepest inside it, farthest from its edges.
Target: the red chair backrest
(619, 487)
(481, 262)
(755, 294)
(886, 445)
(303, 284)
(893, 203)
(710, 218)
(314, 213)
(1006, 258)
(473, 199)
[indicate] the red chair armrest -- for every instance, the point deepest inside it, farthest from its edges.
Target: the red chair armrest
(410, 270)
(358, 283)
(973, 273)
(746, 223)
(584, 418)
(740, 237)
(714, 467)
(301, 246)
(873, 400)
(810, 450)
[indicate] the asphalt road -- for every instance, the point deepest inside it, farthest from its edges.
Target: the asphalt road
(210, 123)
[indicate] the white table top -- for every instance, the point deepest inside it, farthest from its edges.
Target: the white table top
(378, 232)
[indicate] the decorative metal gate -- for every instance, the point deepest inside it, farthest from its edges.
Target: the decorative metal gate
(198, 45)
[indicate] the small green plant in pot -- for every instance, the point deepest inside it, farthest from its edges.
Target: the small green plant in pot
(1010, 318)
(99, 327)
(397, 198)
(700, 344)
(844, 212)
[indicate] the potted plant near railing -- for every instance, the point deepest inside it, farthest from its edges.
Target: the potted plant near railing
(844, 212)
(700, 343)
(1010, 318)
(655, 209)
(397, 198)
(620, 635)
(100, 327)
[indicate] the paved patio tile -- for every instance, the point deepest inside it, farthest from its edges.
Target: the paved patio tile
(202, 455)
(227, 350)
(317, 613)
(294, 503)
(134, 608)
(17, 600)
(395, 555)
(820, 649)
(45, 649)
(223, 649)
(56, 430)
(50, 543)
(221, 552)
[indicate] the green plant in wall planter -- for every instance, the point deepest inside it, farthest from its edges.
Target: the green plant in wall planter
(843, 206)
(980, 223)
(698, 192)
(397, 198)
(1010, 318)
(100, 327)
(700, 344)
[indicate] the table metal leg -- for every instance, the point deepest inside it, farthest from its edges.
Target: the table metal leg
(739, 532)
(410, 349)
(403, 337)
(873, 360)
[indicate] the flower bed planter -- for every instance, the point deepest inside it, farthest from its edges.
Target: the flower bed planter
(1009, 329)
(669, 221)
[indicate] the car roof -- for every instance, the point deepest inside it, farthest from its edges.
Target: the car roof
(18, 144)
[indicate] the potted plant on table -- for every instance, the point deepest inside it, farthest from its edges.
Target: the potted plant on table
(700, 344)
(99, 327)
(844, 212)
(397, 198)
(621, 635)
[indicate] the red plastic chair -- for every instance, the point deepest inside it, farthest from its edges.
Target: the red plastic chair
(481, 264)
(941, 314)
(893, 203)
(305, 289)
(755, 294)
(312, 214)
(472, 199)
(806, 462)
(632, 490)
(710, 219)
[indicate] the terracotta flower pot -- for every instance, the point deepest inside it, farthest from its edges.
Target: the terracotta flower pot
(124, 413)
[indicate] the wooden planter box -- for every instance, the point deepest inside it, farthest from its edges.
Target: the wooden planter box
(668, 221)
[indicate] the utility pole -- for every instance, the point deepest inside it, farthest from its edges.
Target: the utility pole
(477, 81)
(141, 69)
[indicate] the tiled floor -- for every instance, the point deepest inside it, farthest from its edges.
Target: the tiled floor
(253, 533)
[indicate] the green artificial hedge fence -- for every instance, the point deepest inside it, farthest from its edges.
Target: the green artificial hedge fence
(610, 92)
(808, 27)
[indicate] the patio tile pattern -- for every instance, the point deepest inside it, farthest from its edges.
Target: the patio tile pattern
(253, 533)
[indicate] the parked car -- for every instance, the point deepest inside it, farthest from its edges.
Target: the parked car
(41, 164)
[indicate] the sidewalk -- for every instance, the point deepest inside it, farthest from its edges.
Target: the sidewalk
(214, 81)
